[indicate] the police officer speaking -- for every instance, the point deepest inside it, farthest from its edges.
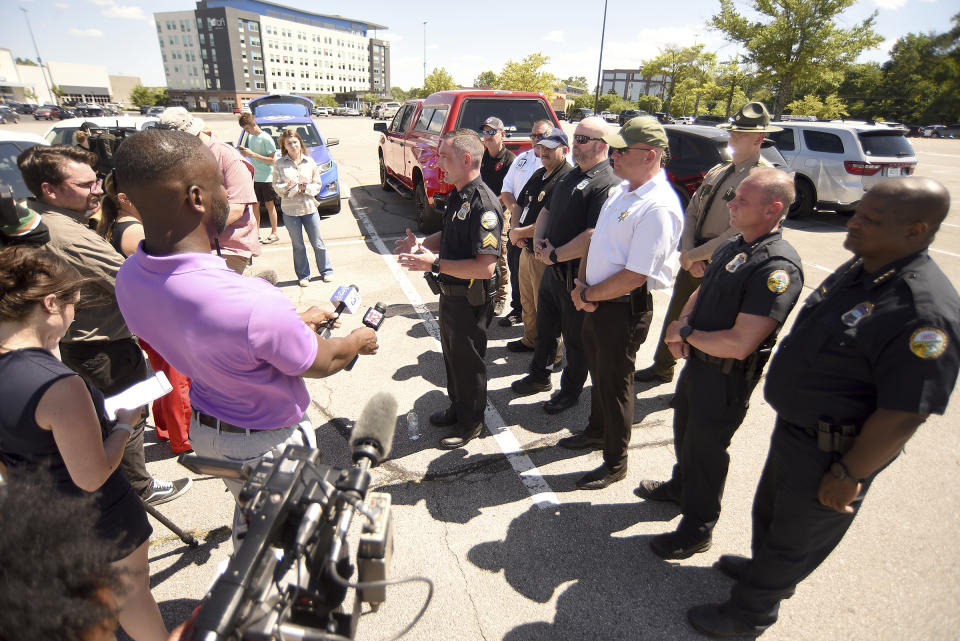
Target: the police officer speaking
(463, 273)
(725, 331)
(707, 222)
(872, 353)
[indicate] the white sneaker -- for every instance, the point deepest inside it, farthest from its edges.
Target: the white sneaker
(304, 282)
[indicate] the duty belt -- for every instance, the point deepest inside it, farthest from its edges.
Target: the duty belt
(830, 436)
(454, 290)
(726, 365)
(217, 424)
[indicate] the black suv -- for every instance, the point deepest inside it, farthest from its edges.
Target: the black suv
(627, 114)
(695, 149)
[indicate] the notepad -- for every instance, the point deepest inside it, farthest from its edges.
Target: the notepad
(138, 395)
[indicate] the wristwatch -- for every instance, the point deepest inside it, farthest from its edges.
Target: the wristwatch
(685, 332)
(436, 266)
(553, 256)
(583, 294)
(839, 471)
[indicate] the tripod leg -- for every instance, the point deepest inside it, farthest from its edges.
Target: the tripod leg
(170, 525)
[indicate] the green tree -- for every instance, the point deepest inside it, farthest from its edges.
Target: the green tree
(438, 80)
(58, 92)
(860, 89)
(141, 95)
(576, 81)
(678, 64)
(528, 75)
(797, 42)
(486, 79)
(398, 94)
(325, 100)
(650, 104)
(946, 106)
(26, 61)
(161, 96)
(30, 94)
(828, 109)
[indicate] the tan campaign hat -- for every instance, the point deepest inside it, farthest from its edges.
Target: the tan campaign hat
(752, 117)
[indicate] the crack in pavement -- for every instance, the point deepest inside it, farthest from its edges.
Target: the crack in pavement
(456, 558)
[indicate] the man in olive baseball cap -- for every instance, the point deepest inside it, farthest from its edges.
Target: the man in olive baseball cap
(640, 130)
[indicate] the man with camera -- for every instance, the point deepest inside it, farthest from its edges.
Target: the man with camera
(240, 340)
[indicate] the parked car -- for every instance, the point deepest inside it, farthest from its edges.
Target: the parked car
(63, 132)
(580, 113)
(350, 111)
(694, 149)
(946, 131)
(21, 107)
(46, 112)
(630, 114)
(12, 143)
(388, 110)
(276, 112)
(609, 116)
(321, 111)
(709, 120)
(561, 115)
(8, 115)
(683, 120)
(155, 111)
(89, 111)
(914, 131)
(836, 162)
(408, 145)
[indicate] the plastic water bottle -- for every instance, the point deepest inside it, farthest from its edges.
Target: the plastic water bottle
(413, 425)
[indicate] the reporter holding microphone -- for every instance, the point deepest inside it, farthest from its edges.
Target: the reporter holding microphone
(240, 340)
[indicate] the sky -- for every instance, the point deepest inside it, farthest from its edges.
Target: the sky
(121, 35)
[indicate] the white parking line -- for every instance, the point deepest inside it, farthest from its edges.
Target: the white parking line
(541, 493)
(820, 267)
(940, 251)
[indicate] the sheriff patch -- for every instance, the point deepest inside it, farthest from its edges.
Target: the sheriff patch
(463, 211)
(583, 183)
(489, 220)
(928, 342)
(736, 262)
(489, 241)
(857, 314)
(778, 281)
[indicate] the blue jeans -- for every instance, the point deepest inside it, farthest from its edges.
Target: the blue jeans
(295, 226)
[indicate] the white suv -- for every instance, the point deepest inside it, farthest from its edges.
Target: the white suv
(836, 162)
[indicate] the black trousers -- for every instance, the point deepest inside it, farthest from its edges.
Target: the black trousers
(513, 262)
(556, 316)
(708, 408)
(611, 337)
(792, 532)
(463, 338)
(683, 288)
(111, 367)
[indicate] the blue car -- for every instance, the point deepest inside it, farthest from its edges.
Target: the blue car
(276, 112)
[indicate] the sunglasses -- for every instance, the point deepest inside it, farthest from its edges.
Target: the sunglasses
(488, 132)
(580, 139)
(623, 150)
(537, 137)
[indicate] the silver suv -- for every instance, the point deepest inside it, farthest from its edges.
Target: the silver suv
(836, 162)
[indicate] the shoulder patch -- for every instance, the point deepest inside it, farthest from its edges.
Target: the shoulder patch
(778, 281)
(489, 240)
(488, 220)
(928, 342)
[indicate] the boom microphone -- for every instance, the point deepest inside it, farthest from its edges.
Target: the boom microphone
(372, 319)
(372, 436)
(345, 299)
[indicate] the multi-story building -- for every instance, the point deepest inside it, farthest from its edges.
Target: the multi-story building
(228, 51)
(631, 84)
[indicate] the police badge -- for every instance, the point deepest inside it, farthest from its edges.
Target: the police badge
(736, 262)
(463, 211)
(583, 183)
(541, 196)
(857, 314)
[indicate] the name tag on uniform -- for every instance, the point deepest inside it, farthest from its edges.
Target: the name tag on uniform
(736, 262)
(463, 211)
(523, 214)
(583, 183)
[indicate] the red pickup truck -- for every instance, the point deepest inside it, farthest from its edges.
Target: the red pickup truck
(409, 143)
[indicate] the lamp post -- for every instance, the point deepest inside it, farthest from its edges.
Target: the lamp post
(603, 30)
(39, 61)
(424, 53)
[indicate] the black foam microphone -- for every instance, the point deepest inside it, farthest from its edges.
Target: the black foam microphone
(372, 319)
(372, 436)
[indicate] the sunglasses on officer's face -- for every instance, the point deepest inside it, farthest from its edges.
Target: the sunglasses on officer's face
(580, 139)
(536, 137)
(488, 132)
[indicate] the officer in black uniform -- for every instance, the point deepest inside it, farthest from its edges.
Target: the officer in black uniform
(494, 166)
(726, 331)
(872, 353)
(560, 240)
(463, 272)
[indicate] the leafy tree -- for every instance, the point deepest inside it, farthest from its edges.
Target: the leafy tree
(58, 93)
(438, 80)
(486, 79)
(650, 104)
(679, 64)
(527, 75)
(325, 100)
(798, 42)
(26, 61)
(141, 95)
(398, 94)
(827, 109)
(947, 105)
(576, 81)
(30, 94)
(860, 89)
(161, 96)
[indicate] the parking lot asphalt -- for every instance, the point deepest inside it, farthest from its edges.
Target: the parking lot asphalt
(528, 556)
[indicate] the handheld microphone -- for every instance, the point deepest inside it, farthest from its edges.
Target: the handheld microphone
(372, 319)
(345, 299)
(372, 436)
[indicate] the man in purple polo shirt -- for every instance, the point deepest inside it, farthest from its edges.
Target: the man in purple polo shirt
(239, 339)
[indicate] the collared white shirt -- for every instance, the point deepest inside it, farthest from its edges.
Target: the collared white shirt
(520, 171)
(638, 230)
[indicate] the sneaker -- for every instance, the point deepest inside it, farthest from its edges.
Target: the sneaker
(269, 240)
(326, 278)
(304, 282)
(163, 491)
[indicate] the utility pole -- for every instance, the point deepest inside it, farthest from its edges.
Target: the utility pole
(46, 81)
(424, 53)
(603, 30)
